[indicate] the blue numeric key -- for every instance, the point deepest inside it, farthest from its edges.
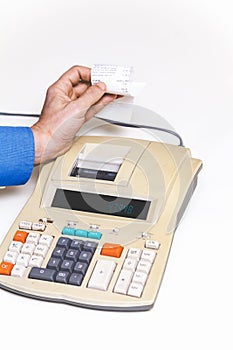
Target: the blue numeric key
(54, 263)
(59, 253)
(77, 244)
(72, 254)
(85, 257)
(67, 265)
(64, 242)
(39, 273)
(90, 246)
(81, 267)
(76, 279)
(62, 277)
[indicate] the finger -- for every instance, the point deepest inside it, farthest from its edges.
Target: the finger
(75, 74)
(92, 95)
(79, 89)
(70, 79)
(96, 108)
(72, 83)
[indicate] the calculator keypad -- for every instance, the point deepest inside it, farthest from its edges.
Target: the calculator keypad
(71, 258)
(68, 263)
(135, 271)
(26, 249)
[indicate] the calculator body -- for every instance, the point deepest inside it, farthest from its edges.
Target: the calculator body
(98, 228)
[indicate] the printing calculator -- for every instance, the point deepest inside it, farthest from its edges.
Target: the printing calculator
(98, 228)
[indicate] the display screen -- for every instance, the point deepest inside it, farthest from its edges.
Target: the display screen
(101, 204)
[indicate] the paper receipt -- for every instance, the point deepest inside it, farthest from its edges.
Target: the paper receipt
(118, 79)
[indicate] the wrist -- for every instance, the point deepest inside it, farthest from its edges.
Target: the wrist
(40, 141)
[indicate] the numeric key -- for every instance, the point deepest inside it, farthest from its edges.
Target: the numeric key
(85, 257)
(42, 274)
(64, 242)
(62, 277)
(90, 246)
(59, 253)
(76, 279)
(67, 265)
(81, 267)
(72, 254)
(77, 244)
(54, 263)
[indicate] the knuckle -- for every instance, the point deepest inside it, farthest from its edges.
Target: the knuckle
(93, 95)
(75, 66)
(50, 90)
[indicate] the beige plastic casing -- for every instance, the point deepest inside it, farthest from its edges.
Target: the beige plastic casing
(164, 174)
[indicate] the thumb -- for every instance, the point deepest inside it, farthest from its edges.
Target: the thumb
(91, 95)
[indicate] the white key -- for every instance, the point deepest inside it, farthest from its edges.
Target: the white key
(10, 257)
(102, 274)
(33, 237)
(46, 220)
(140, 277)
(23, 259)
(36, 261)
(15, 246)
(148, 255)
(134, 253)
(26, 225)
(18, 271)
(38, 226)
(94, 227)
(41, 250)
(28, 248)
(130, 264)
(46, 239)
(144, 266)
(135, 290)
(152, 244)
(123, 281)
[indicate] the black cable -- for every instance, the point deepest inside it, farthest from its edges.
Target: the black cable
(127, 125)
(19, 115)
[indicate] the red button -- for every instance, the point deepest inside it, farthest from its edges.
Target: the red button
(111, 249)
(5, 268)
(20, 236)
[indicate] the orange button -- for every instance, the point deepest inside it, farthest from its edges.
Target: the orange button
(111, 249)
(5, 268)
(20, 236)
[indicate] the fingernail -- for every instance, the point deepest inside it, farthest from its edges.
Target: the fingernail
(101, 85)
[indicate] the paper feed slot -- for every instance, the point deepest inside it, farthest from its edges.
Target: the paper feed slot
(99, 161)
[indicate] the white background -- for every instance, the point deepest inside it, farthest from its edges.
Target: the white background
(183, 49)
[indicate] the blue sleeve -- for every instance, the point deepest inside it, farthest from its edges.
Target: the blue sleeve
(17, 154)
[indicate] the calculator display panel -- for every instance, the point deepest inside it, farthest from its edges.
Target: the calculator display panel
(101, 204)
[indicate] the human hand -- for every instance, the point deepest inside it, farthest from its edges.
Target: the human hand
(69, 102)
